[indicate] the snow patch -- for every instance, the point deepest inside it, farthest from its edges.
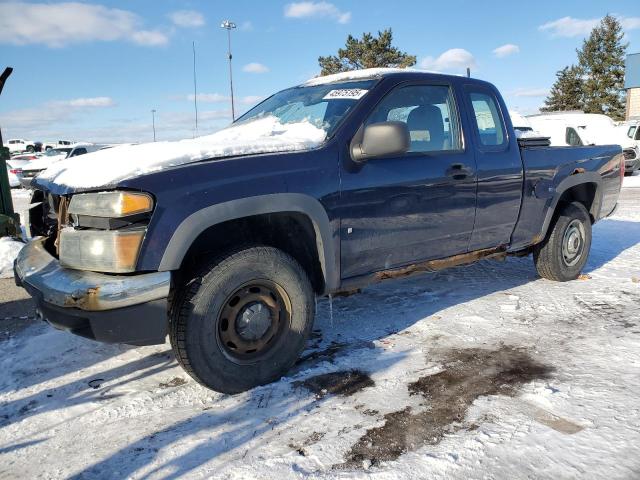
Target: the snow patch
(9, 249)
(355, 75)
(107, 167)
(632, 181)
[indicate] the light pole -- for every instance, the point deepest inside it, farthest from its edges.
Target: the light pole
(153, 123)
(228, 25)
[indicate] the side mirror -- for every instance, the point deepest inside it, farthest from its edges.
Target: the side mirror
(380, 140)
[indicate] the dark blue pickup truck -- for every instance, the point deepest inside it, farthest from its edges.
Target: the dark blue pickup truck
(224, 241)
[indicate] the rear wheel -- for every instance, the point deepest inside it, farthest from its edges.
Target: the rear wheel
(563, 254)
(243, 320)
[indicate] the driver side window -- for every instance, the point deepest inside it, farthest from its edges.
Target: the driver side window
(429, 113)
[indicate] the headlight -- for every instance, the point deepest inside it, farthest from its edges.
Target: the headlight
(112, 251)
(110, 204)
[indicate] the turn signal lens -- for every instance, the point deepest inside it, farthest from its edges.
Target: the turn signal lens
(110, 204)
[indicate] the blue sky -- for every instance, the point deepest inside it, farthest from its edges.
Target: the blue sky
(94, 70)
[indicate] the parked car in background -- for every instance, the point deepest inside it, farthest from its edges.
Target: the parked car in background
(522, 126)
(58, 144)
(224, 241)
(84, 148)
(42, 162)
(578, 128)
(18, 145)
(14, 167)
(631, 129)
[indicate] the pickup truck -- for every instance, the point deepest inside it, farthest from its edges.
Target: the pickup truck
(224, 241)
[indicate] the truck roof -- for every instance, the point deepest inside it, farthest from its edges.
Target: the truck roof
(373, 73)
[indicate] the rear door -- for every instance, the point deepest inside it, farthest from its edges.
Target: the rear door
(500, 171)
(417, 206)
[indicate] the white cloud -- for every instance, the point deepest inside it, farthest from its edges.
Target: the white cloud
(581, 27)
(187, 18)
(316, 10)
(220, 98)
(453, 60)
(89, 102)
(246, 26)
(61, 24)
(506, 50)
(251, 99)
(150, 38)
(630, 23)
(67, 112)
(255, 68)
(530, 92)
(209, 97)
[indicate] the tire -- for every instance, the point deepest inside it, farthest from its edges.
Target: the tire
(563, 254)
(30, 148)
(243, 319)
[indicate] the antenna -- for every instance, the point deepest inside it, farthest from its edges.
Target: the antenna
(195, 88)
(468, 72)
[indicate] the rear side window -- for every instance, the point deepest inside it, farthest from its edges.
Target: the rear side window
(572, 138)
(79, 151)
(429, 113)
(488, 119)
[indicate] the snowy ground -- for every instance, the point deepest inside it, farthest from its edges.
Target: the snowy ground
(478, 372)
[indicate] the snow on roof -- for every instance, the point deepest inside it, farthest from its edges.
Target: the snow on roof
(355, 75)
(109, 166)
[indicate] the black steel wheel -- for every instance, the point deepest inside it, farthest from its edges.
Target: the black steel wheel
(564, 253)
(243, 319)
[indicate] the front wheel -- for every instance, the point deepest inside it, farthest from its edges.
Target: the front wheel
(563, 254)
(243, 320)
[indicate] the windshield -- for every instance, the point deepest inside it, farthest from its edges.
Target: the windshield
(54, 152)
(324, 106)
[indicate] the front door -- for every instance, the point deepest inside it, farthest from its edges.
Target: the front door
(418, 206)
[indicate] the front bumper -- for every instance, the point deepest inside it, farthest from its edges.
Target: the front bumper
(128, 309)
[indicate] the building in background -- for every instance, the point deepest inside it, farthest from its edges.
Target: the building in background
(632, 86)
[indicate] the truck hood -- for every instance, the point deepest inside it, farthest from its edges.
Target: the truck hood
(106, 168)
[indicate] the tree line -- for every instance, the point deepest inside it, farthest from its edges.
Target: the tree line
(594, 85)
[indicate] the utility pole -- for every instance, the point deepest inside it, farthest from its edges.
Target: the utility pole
(195, 88)
(9, 220)
(228, 25)
(153, 123)
(3, 78)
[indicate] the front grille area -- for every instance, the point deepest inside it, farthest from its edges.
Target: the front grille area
(43, 215)
(629, 154)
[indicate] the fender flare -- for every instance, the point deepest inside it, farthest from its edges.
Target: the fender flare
(570, 182)
(196, 223)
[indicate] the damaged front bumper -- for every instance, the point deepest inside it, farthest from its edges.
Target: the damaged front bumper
(128, 309)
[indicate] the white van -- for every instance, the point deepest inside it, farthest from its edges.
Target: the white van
(578, 128)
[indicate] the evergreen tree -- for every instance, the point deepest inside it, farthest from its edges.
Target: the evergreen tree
(567, 91)
(368, 52)
(601, 61)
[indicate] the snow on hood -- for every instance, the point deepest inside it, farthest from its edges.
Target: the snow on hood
(110, 166)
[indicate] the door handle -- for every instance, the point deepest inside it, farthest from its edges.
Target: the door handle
(458, 171)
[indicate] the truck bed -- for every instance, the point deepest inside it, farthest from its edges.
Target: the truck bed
(548, 170)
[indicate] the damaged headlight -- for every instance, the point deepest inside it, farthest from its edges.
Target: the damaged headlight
(110, 204)
(107, 232)
(112, 251)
